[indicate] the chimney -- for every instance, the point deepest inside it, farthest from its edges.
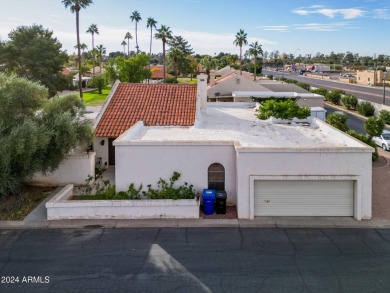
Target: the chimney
(213, 73)
(202, 91)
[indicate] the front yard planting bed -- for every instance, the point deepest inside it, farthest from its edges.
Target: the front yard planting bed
(17, 207)
(63, 207)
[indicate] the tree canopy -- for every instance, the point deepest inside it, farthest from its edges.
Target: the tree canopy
(36, 133)
(129, 70)
(32, 52)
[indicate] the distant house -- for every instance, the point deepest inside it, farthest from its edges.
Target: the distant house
(369, 77)
(85, 80)
(221, 89)
(158, 73)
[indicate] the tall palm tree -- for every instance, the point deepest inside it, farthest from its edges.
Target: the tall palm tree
(151, 23)
(136, 17)
(164, 34)
(208, 63)
(255, 50)
(93, 29)
(83, 47)
(76, 6)
(101, 51)
(241, 39)
(175, 55)
(124, 46)
(128, 36)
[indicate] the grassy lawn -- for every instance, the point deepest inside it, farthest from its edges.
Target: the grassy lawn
(93, 98)
(17, 207)
(187, 80)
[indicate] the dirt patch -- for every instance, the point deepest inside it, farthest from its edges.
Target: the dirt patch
(17, 207)
(231, 213)
(381, 162)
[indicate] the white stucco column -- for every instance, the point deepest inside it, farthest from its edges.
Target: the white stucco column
(202, 91)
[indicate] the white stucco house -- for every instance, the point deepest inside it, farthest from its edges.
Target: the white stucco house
(267, 169)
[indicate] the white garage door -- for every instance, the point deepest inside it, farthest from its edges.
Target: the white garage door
(303, 198)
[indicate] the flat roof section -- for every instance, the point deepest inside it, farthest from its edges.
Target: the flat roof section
(238, 122)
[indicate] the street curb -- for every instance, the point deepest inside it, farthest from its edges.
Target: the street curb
(272, 222)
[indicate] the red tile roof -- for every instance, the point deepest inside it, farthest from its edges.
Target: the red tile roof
(154, 104)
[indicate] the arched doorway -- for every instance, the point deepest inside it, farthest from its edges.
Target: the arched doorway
(216, 177)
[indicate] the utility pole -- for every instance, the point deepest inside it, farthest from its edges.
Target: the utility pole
(384, 87)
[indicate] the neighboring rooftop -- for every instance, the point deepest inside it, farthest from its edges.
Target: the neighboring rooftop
(285, 87)
(237, 122)
(154, 104)
(158, 72)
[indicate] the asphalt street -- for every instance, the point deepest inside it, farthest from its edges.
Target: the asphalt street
(362, 92)
(195, 260)
(353, 122)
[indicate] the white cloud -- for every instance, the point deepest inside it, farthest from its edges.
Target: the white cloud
(349, 13)
(324, 27)
(278, 28)
(383, 13)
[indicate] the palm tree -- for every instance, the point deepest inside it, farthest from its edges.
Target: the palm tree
(255, 50)
(128, 36)
(164, 33)
(208, 63)
(101, 50)
(76, 6)
(124, 46)
(175, 55)
(136, 17)
(241, 39)
(93, 29)
(83, 47)
(151, 23)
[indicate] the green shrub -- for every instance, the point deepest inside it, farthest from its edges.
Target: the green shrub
(366, 109)
(171, 80)
(364, 139)
(350, 102)
(270, 76)
(99, 82)
(334, 96)
(283, 109)
(374, 127)
(304, 85)
(320, 91)
(339, 120)
(385, 116)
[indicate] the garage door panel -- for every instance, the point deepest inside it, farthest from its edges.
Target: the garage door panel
(303, 198)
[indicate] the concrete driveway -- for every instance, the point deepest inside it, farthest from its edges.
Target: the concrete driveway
(381, 186)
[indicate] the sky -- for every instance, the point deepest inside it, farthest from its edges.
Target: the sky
(294, 27)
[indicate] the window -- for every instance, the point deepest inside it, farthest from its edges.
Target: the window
(216, 177)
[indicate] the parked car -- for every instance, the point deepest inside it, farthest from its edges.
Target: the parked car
(383, 140)
(348, 75)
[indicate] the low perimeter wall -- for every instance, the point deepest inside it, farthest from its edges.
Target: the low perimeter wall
(75, 169)
(61, 207)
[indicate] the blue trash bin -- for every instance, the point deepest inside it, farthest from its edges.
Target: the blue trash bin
(208, 197)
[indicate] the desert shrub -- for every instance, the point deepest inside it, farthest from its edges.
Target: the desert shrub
(334, 96)
(270, 76)
(304, 85)
(385, 116)
(374, 127)
(320, 91)
(366, 109)
(350, 102)
(283, 109)
(339, 120)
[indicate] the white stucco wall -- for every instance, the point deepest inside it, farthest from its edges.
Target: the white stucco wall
(287, 162)
(73, 170)
(101, 150)
(147, 163)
